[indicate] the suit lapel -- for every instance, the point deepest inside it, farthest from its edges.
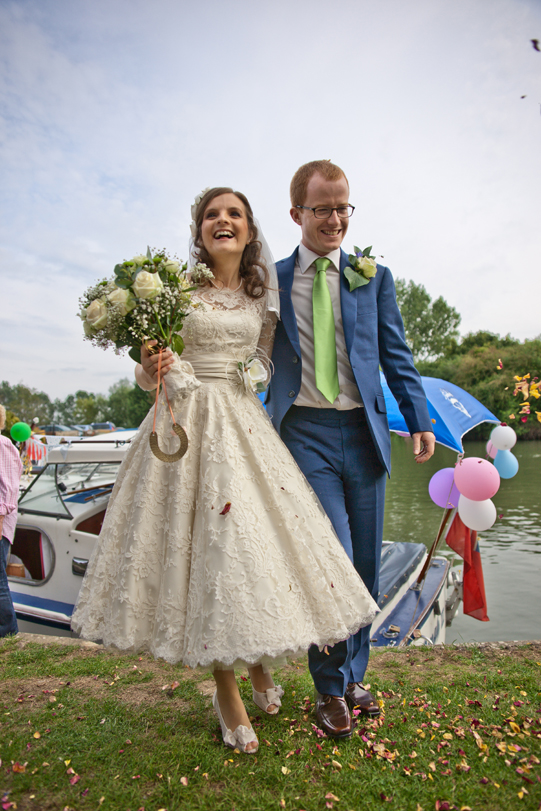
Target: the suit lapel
(348, 304)
(286, 271)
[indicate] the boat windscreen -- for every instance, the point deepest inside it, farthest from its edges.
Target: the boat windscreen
(58, 487)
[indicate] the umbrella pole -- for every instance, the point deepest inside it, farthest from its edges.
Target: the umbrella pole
(443, 523)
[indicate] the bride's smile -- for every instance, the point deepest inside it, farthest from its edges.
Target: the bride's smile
(225, 230)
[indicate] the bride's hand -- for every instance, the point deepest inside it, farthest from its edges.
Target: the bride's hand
(150, 362)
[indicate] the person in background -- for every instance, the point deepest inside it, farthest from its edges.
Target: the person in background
(10, 475)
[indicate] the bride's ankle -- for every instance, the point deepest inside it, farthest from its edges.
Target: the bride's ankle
(261, 679)
(232, 708)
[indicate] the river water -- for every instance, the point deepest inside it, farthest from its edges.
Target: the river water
(510, 550)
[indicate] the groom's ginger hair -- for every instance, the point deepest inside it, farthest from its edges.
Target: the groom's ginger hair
(301, 178)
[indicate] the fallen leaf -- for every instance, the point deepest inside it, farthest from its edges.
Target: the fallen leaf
(285, 770)
(19, 768)
(226, 508)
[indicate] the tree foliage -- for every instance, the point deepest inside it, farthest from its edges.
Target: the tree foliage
(26, 403)
(430, 326)
(474, 365)
(126, 406)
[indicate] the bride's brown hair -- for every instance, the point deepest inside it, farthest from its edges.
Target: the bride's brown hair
(253, 270)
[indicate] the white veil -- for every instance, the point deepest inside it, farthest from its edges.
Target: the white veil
(273, 295)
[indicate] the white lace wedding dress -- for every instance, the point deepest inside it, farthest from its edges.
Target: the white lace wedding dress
(178, 572)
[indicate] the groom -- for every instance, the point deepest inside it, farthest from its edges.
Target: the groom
(326, 401)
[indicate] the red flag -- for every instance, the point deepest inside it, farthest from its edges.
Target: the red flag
(464, 542)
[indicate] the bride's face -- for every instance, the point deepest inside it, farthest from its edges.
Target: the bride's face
(225, 230)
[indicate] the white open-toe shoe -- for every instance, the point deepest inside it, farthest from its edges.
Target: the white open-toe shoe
(271, 696)
(241, 737)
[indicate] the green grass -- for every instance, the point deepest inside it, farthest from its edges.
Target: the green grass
(460, 726)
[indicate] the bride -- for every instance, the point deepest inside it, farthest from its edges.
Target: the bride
(225, 558)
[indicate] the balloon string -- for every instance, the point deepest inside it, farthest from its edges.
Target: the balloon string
(165, 392)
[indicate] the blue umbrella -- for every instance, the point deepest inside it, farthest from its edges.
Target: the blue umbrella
(453, 411)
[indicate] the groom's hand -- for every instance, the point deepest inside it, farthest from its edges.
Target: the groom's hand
(424, 443)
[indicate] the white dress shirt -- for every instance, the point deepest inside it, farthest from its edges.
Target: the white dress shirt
(301, 296)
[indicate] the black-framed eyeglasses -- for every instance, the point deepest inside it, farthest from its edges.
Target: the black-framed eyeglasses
(323, 213)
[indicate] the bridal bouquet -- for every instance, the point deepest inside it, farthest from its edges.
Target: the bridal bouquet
(147, 299)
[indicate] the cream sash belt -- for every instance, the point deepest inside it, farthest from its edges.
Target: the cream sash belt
(220, 365)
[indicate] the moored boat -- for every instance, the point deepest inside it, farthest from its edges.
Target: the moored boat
(60, 517)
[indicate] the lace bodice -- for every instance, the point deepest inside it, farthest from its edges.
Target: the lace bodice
(228, 322)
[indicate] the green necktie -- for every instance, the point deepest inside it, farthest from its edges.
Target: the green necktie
(324, 334)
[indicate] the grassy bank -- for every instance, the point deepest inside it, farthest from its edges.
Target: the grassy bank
(84, 728)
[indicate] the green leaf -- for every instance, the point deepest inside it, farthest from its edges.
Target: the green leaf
(149, 255)
(135, 353)
(355, 279)
(122, 282)
(356, 249)
(177, 344)
(367, 251)
(352, 259)
(119, 269)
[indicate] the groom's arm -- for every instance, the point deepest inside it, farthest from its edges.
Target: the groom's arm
(402, 377)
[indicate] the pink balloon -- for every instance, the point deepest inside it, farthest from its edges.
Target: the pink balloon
(442, 488)
(491, 450)
(477, 479)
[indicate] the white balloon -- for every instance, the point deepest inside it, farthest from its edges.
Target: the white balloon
(477, 515)
(503, 437)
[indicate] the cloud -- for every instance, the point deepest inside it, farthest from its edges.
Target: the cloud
(116, 114)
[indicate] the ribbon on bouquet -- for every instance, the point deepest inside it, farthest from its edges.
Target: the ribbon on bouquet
(179, 431)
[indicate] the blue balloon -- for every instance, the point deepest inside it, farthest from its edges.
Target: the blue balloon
(506, 464)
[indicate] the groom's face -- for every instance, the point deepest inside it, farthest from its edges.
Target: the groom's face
(323, 236)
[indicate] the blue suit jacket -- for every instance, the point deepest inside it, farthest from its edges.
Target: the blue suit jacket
(374, 335)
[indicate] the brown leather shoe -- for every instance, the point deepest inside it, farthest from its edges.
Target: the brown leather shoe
(360, 699)
(333, 716)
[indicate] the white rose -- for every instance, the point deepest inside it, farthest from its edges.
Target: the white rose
(86, 326)
(255, 375)
(147, 285)
(256, 371)
(140, 260)
(367, 267)
(123, 300)
(172, 266)
(96, 314)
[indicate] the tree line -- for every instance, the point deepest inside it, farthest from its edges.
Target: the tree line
(483, 363)
(126, 405)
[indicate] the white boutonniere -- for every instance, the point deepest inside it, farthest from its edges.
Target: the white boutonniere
(363, 268)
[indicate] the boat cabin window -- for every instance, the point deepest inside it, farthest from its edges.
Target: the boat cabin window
(32, 556)
(93, 524)
(63, 490)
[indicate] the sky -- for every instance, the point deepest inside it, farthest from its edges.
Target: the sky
(114, 115)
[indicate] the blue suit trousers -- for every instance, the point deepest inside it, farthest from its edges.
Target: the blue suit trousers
(335, 451)
(8, 619)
